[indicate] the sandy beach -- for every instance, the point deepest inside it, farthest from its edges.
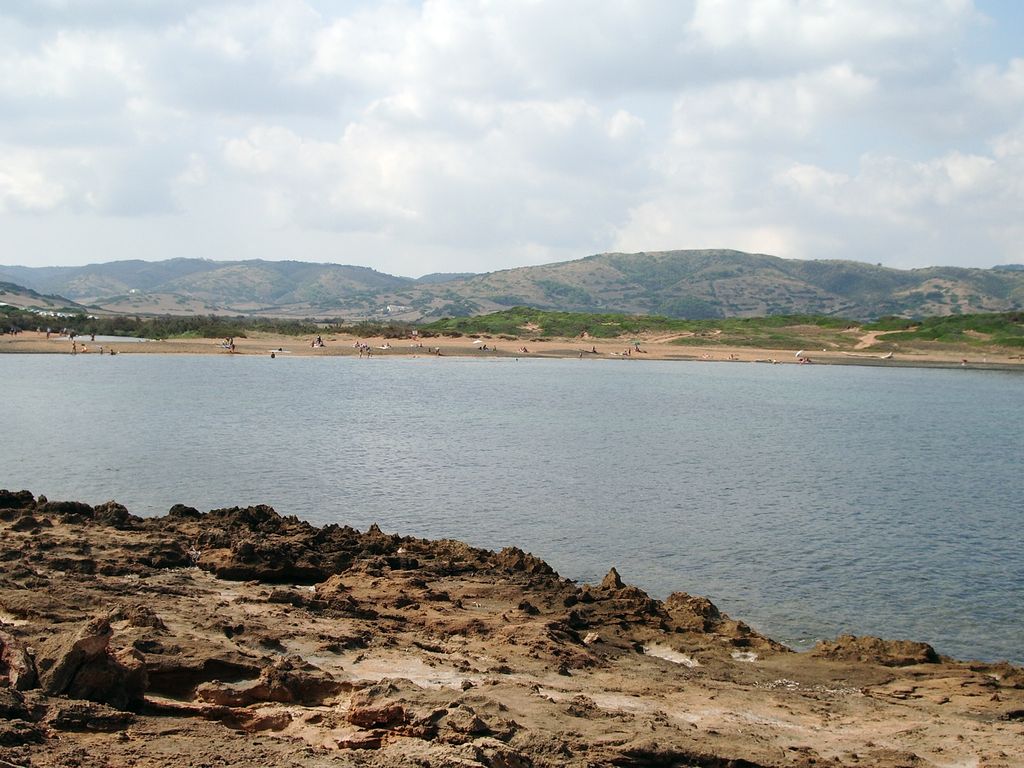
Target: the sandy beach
(652, 347)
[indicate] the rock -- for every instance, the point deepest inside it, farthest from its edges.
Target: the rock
(176, 672)
(496, 754)
(875, 650)
(60, 659)
(16, 733)
(361, 741)
(12, 705)
(514, 559)
(281, 683)
(15, 663)
(612, 580)
(696, 614)
(80, 666)
(68, 511)
(332, 587)
(87, 716)
(27, 523)
(16, 499)
(255, 722)
(181, 512)
(115, 515)
(381, 716)
(528, 608)
(272, 561)
(166, 554)
(460, 723)
(138, 615)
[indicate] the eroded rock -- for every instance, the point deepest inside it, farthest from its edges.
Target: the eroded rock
(875, 650)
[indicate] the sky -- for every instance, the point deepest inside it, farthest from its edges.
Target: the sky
(444, 136)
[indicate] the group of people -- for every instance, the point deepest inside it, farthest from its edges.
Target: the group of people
(84, 349)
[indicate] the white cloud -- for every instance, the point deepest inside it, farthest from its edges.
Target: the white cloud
(471, 135)
(25, 184)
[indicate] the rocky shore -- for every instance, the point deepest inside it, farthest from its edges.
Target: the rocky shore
(240, 637)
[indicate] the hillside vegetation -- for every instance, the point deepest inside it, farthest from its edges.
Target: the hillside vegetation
(692, 285)
(997, 330)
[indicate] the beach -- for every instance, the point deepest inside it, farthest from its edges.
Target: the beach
(633, 348)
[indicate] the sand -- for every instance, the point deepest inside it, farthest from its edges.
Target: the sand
(654, 347)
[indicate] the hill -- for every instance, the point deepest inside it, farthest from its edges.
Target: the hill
(18, 298)
(696, 284)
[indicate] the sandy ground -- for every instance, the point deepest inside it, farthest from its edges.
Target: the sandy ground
(653, 348)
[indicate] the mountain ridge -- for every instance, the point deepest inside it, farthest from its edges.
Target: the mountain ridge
(693, 284)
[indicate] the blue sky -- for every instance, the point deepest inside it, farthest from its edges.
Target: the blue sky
(416, 137)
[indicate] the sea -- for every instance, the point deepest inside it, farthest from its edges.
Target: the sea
(808, 501)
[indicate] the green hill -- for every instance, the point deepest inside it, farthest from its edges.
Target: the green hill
(696, 284)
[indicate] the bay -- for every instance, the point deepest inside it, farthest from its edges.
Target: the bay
(805, 500)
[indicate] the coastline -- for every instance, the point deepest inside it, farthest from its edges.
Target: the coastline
(242, 637)
(655, 348)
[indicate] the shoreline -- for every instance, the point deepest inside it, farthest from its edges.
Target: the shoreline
(30, 342)
(242, 637)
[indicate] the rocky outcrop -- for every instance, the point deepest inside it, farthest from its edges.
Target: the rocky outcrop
(875, 650)
(688, 613)
(243, 637)
(79, 664)
(283, 683)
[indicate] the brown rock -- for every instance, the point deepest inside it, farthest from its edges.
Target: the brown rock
(60, 659)
(515, 559)
(79, 665)
(16, 499)
(138, 615)
(115, 515)
(697, 614)
(86, 716)
(12, 705)
(361, 741)
(281, 683)
(381, 716)
(464, 720)
(183, 512)
(16, 733)
(875, 650)
(27, 523)
(612, 580)
(15, 663)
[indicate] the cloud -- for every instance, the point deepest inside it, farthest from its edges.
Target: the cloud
(443, 135)
(25, 184)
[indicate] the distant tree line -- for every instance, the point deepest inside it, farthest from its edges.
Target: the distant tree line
(998, 328)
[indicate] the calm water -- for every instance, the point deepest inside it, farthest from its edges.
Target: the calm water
(807, 501)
